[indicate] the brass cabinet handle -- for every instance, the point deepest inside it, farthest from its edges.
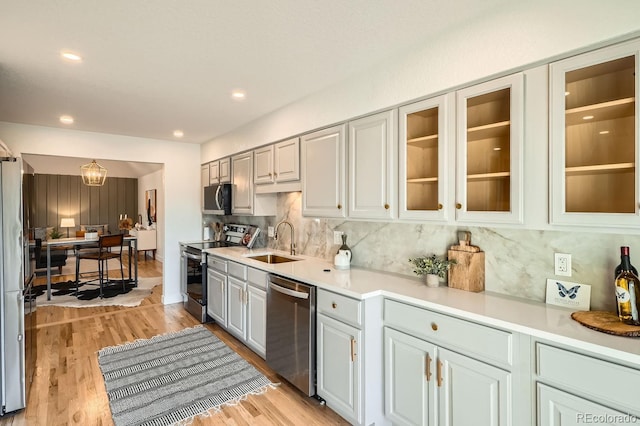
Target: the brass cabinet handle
(439, 206)
(353, 349)
(270, 174)
(439, 373)
(339, 206)
(386, 206)
(275, 174)
(334, 305)
(458, 206)
(434, 326)
(428, 367)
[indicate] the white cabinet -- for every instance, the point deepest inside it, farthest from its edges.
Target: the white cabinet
(323, 172)
(373, 144)
(214, 172)
(594, 138)
(256, 319)
(490, 133)
(244, 200)
(219, 171)
(204, 182)
(145, 240)
(278, 163)
(263, 165)
(424, 161)
(217, 296)
(236, 303)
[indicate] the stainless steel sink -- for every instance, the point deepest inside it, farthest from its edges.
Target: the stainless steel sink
(272, 258)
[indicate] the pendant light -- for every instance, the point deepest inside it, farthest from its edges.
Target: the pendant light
(93, 174)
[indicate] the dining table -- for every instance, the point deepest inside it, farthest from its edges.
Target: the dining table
(129, 240)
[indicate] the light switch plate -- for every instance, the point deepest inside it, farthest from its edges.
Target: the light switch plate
(569, 294)
(270, 232)
(337, 237)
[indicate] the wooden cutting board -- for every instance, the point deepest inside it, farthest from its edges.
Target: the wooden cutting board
(468, 272)
(606, 322)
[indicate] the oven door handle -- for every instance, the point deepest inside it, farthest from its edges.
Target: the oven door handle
(192, 256)
(289, 292)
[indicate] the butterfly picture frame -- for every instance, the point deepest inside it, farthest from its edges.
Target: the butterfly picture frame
(569, 294)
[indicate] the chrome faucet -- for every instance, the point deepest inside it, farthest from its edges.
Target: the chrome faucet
(292, 249)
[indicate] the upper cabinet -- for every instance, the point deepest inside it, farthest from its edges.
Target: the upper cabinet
(489, 120)
(423, 160)
(244, 200)
(594, 140)
(219, 171)
(277, 167)
(373, 144)
(323, 172)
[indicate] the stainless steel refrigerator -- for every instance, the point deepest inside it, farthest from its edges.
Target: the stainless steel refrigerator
(17, 304)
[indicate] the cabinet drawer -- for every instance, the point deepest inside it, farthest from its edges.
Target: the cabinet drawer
(257, 278)
(340, 307)
(488, 343)
(589, 377)
(237, 270)
(217, 264)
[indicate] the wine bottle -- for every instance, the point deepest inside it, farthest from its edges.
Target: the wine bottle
(624, 252)
(628, 292)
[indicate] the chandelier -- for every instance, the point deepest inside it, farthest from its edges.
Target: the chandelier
(93, 174)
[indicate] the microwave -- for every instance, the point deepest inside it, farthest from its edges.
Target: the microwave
(217, 199)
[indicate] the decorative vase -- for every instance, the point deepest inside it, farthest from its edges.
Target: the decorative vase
(433, 280)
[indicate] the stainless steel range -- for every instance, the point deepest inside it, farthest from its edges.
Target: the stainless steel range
(193, 265)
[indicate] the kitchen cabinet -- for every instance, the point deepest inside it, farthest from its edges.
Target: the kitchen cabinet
(594, 138)
(423, 158)
(489, 187)
(257, 311)
(278, 163)
(217, 290)
(323, 172)
(373, 144)
(244, 199)
(438, 375)
(204, 181)
(236, 322)
(348, 380)
(220, 171)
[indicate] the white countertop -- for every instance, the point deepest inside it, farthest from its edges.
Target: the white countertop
(520, 315)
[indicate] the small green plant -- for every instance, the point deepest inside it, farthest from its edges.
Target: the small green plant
(431, 265)
(55, 234)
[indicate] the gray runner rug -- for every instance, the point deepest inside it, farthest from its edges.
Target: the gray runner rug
(174, 377)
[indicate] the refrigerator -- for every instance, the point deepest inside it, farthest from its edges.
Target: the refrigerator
(17, 303)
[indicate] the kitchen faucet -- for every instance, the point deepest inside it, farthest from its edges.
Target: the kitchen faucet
(292, 249)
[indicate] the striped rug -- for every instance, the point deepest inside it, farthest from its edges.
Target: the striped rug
(174, 377)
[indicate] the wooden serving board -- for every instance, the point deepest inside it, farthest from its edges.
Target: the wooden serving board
(606, 322)
(468, 272)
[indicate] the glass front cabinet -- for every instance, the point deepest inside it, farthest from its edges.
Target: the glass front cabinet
(594, 140)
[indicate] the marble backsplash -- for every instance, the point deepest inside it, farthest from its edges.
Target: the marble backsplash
(517, 261)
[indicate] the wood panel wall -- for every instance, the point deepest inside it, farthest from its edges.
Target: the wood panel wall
(58, 196)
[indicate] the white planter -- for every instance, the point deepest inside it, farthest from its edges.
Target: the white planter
(90, 235)
(433, 280)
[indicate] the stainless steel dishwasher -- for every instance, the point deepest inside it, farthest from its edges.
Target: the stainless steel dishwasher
(291, 332)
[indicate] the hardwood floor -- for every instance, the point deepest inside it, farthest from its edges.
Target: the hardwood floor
(68, 388)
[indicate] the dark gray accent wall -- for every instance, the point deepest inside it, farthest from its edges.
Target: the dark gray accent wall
(58, 196)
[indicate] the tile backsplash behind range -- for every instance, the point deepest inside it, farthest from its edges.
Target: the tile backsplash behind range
(518, 262)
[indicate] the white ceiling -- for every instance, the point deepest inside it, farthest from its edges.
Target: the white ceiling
(153, 66)
(54, 165)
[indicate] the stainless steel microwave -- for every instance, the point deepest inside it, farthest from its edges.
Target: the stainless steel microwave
(217, 199)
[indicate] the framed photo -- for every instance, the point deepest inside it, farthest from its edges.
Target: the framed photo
(150, 205)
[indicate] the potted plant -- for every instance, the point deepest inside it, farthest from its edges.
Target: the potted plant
(55, 234)
(432, 266)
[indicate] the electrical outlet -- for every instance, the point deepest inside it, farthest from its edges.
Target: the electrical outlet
(337, 237)
(270, 231)
(563, 264)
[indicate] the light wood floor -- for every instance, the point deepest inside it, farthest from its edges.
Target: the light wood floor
(68, 387)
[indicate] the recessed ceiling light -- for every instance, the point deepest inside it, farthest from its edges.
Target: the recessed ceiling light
(604, 132)
(178, 133)
(587, 117)
(238, 95)
(73, 57)
(66, 119)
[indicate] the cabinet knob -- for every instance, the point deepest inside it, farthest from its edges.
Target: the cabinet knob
(386, 206)
(458, 206)
(434, 326)
(270, 174)
(439, 206)
(275, 174)
(334, 305)
(339, 206)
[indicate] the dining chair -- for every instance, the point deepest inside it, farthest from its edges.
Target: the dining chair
(106, 244)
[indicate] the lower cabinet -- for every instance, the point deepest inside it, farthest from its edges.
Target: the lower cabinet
(256, 337)
(237, 305)
(217, 296)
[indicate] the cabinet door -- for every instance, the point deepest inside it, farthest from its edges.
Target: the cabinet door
(557, 408)
(204, 181)
(323, 173)
(263, 165)
(373, 144)
(472, 392)
(236, 304)
(338, 364)
(257, 320)
(224, 171)
(489, 161)
(214, 173)
(410, 379)
(217, 297)
(594, 138)
(423, 160)
(242, 191)
(287, 160)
